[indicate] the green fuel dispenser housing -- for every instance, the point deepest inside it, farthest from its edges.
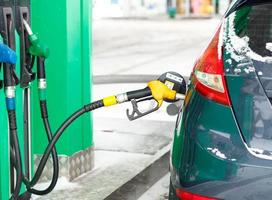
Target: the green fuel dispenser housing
(4, 146)
(65, 27)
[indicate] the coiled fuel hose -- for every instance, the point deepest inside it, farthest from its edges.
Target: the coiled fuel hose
(41, 52)
(156, 90)
(44, 114)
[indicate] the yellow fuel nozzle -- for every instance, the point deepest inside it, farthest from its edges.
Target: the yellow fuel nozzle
(169, 87)
(160, 91)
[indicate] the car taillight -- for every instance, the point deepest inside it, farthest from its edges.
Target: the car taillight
(208, 75)
(183, 195)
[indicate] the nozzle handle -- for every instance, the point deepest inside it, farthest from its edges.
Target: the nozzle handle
(7, 55)
(138, 94)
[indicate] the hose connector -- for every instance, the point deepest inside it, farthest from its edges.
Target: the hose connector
(10, 98)
(10, 92)
(42, 85)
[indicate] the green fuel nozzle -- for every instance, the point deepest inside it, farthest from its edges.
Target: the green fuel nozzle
(41, 51)
(37, 48)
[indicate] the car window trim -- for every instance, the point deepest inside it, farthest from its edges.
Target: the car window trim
(242, 3)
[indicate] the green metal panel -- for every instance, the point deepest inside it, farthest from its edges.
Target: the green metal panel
(4, 145)
(4, 156)
(65, 26)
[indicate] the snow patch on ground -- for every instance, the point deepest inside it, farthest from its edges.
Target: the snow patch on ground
(62, 184)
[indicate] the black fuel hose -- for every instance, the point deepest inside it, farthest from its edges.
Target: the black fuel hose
(30, 184)
(17, 153)
(44, 114)
(41, 74)
(51, 145)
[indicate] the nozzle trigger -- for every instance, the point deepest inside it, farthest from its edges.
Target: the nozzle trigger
(136, 113)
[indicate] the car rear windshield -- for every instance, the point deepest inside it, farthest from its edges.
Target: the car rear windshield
(248, 66)
(254, 25)
(249, 33)
(238, 4)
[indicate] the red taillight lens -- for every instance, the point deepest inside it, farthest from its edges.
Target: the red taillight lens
(183, 195)
(208, 76)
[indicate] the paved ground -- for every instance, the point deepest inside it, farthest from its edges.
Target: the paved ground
(149, 46)
(123, 148)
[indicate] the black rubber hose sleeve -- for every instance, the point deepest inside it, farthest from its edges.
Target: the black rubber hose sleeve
(17, 154)
(12, 120)
(30, 184)
(93, 106)
(43, 107)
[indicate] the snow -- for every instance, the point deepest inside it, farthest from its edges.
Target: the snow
(259, 153)
(217, 153)
(269, 46)
(62, 184)
(237, 70)
(239, 46)
(220, 42)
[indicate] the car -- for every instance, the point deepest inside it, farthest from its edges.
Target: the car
(222, 147)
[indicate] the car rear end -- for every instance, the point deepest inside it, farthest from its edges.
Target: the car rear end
(223, 140)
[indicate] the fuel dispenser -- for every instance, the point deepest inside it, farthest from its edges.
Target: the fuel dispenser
(10, 80)
(32, 50)
(26, 76)
(169, 87)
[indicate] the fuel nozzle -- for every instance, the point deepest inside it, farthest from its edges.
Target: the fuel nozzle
(170, 87)
(37, 48)
(7, 56)
(41, 51)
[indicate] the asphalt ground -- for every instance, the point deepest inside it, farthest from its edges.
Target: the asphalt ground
(143, 181)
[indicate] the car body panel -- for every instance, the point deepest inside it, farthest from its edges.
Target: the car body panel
(212, 159)
(249, 75)
(221, 151)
